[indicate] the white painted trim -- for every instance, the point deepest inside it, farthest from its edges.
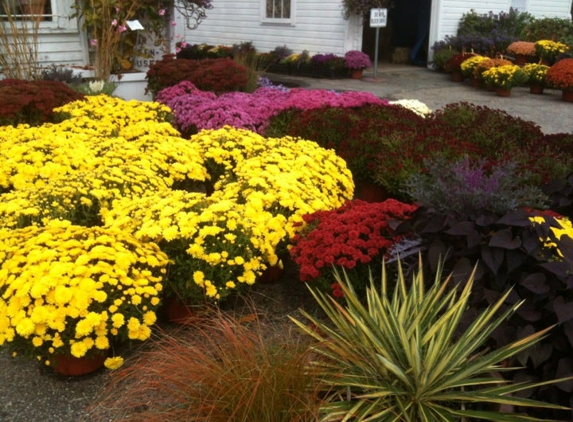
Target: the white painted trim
(435, 15)
(284, 22)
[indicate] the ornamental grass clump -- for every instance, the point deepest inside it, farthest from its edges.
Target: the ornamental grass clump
(354, 237)
(505, 77)
(404, 354)
(75, 290)
(224, 369)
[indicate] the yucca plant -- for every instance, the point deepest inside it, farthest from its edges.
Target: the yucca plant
(401, 356)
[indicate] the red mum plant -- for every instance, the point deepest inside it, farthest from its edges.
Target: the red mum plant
(560, 75)
(354, 237)
(455, 63)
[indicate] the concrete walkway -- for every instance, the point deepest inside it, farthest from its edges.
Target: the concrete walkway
(436, 90)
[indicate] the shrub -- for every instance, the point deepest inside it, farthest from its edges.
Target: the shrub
(216, 75)
(403, 354)
(203, 51)
(557, 29)
(510, 249)
(442, 54)
(32, 102)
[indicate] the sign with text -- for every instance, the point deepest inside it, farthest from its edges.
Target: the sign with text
(378, 18)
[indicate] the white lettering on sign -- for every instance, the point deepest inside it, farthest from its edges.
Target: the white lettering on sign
(378, 18)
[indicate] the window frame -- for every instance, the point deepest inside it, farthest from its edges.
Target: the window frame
(60, 22)
(278, 21)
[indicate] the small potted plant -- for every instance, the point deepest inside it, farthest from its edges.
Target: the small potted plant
(537, 74)
(504, 78)
(560, 76)
(354, 237)
(453, 66)
(548, 50)
(356, 61)
(71, 293)
(488, 64)
(468, 67)
(327, 66)
(523, 52)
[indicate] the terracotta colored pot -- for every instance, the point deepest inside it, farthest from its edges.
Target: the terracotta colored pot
(521, 59)
(536, 89)
(178, 312)
(271, 274)
(72, 366)
(457, 76)
(370, 192)
(567, 95)
(356, 73)
(500, 92)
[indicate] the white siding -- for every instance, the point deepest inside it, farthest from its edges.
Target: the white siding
(550, 9)
(318, 27)
(447, 13)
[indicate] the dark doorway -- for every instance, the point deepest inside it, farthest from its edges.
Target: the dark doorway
(405, 38)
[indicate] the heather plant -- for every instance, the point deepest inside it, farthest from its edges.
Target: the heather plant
(456, 186)
(216, 75)
(354, 237)
(32, 102)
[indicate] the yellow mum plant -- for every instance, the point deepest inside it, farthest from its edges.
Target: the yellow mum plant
(505, 77)
(67, 289)
(548, 50)
(468, 66)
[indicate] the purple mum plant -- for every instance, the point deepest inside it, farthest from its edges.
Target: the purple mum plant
(195, 110)
(355, 59)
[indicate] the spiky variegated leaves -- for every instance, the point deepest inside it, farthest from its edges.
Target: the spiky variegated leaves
(400, 357)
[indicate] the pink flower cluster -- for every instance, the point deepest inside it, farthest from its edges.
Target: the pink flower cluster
(195, 110)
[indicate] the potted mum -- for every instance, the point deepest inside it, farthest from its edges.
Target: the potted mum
(560, 76)
(504, 78)
(488, 64)
(354, 237)
(549, 50)
(356, 61)
(536, 74)
(468, 67)
(453, 66)
(523, 52)
(71, 293)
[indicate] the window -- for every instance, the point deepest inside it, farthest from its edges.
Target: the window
(278, 11)
(50, 14)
